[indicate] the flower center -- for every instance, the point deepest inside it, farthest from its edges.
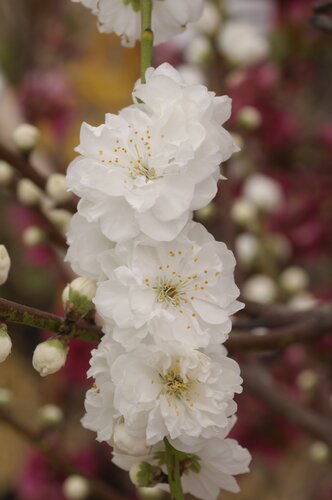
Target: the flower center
(174, 385)
(167, 292)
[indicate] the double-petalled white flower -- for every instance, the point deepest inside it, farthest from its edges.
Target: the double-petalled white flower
(155, 162)
(161, 390)
(179, 291)
(123, 17)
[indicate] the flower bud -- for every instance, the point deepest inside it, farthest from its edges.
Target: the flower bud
(80, 293)
(302, 301)
(5, 397)
(319, 452)
(141, 474)
(33, 236)
(60, 218)
(4, 264)
(260, 288)
(307, 380)
(263, 192)
(28, 193)
(50, 415)
(56, 188)
(125, 443)
(294, 279)
(6, 173)
(76, 487)
(244, 213)
(49, 356)
(246, 246)
(25, 137)
(249, 118)
(5, 343)
(198, 51)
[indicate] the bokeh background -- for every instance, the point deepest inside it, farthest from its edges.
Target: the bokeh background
(274, 210)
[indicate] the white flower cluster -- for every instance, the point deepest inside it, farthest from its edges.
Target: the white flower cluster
(123, 17)
(165, 287)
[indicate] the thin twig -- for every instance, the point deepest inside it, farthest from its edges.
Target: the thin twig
(260, 383)
(57, 458)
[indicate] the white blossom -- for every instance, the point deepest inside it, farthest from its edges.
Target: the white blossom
(183, 290)
(123, 17)
(294, 279)
(85, 243)
(155, 162)
(209, 21)
(161, 390)
(5, 264)
(241, 43)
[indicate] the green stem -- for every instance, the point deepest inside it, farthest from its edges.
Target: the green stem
(147, 37)
(173, 470)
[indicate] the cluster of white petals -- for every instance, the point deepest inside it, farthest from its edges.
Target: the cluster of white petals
(165, 288)
(123, 17)
(155, 162)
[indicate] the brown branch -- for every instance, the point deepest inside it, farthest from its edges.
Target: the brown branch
(260, 383)
(26, 169)
(12, 312)
(57, 458)
(315, 324)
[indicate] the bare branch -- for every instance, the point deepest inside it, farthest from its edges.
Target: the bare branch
(260, 383)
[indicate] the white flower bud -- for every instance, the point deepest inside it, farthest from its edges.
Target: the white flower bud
(5, 263)
(263, 192)
(6, 173)
(244, 213)
(25, 137)
(207, 213)
(198, 51)
(249, 118)
(307, 380)
(85, 287)
(5, 343)
(28, 193)
(6, 397)
(152, 493)
(33, 236)
(76, 487)
(125, 443)
(56, 188)
(260, 288)
(241, 44)
(319, 452)
(246, 246)
(302, 301)
(49, 357)
(294, 279)
(50, 415)
(60, 218)
(238, 140)
(209, 21)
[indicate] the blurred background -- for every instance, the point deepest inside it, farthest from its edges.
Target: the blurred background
(274, 210)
